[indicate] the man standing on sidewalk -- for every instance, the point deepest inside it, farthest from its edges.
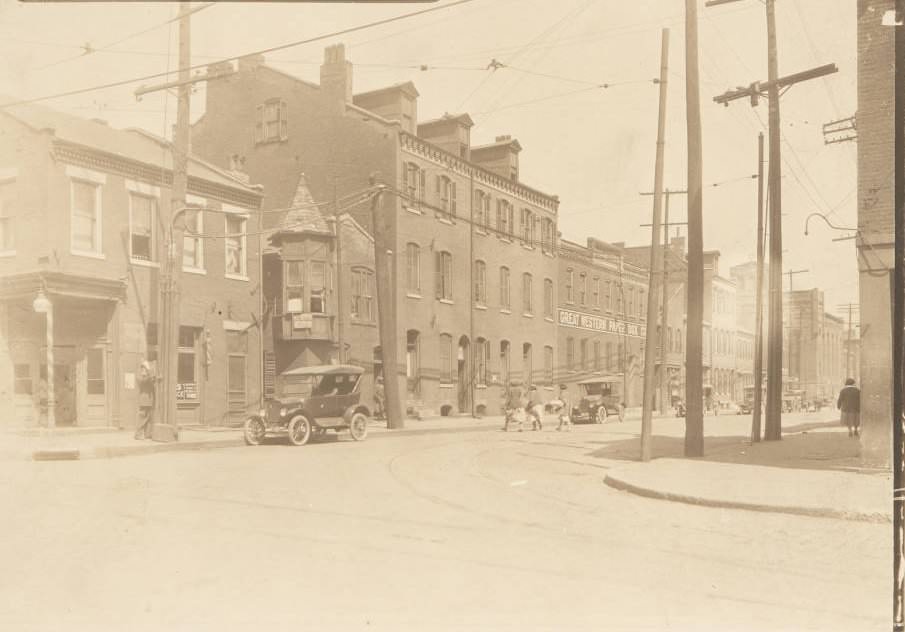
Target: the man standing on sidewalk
(849, 403)
(146, 399)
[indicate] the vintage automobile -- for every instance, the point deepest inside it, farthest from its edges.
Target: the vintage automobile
(600, 397)
(311, 399)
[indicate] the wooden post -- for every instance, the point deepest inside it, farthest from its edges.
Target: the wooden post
(759, 297)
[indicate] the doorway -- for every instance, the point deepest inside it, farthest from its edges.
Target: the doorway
(463, 381)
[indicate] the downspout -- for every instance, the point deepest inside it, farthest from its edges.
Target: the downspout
(471, 291)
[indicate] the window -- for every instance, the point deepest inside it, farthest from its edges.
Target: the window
(596, 355)
(527, 368)
(547, 235)
(446, 192)
(669, 338)
(526, 226)
(186, 384)
(94, 371)
(317, 283)
(363, 294)
(481, 361)
(610, 358)
(504, 361)
(446, 369)
(481, 210)
(641, 303)
(142, 227)
(413, 362)
(570, 285)
(237, 354)
(595, 292)
(570, 354)
(480, 283)
(294, 287)
(630, 307)
(23, 384)
(527, 294)
(619, 290)
(548, 365)
(485, 211)
(504, 288)
(7, 216)
(582, 288)
(86, 217)
(236, 256)
(272, 124)
(413, 268)
(443, 273)
(583, 353)
(608, 296)
(413, 184)
(548, 298)
(192, 242)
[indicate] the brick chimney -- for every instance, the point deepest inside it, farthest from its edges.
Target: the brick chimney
(237, 168)
(500, 156)
(451, 132)
(336, 74)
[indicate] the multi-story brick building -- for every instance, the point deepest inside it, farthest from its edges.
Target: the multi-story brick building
(876, 222)
(473, 248)
(813, 345)
(719, 311)
(83, 211)
(601, 317)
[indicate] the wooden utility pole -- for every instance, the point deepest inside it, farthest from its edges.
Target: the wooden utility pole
(694, 370)
(793, 272)
(773, 429)
(383, 264)
(848, 339)
(650, 350)
(759, 297)
(664, 378)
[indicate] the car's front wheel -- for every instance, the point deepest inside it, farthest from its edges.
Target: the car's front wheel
(358, 426)
(299, 430)
(254, 430)
(601, 415)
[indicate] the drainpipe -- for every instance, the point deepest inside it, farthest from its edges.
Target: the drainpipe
(471, 302)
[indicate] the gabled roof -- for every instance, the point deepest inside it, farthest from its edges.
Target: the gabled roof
(303, 216)
(407, 87)
(132, 143)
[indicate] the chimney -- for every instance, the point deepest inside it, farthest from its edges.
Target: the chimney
(336, 74)
(237, 168)
(450, 132)
(501, 157)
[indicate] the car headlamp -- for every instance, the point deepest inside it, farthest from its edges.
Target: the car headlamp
(283, 411)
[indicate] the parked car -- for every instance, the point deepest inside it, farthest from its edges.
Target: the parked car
(600, 397)
(310, 400)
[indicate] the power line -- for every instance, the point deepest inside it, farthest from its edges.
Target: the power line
(235, 58)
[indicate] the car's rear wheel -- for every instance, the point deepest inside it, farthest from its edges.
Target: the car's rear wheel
(358, 426)
(299, 430)
(254, 430)
(601, 415)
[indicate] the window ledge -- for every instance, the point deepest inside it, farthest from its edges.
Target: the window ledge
(527, 247)
(446, 301)
(236, 277)
(89, 254)
(412, 295)
(505, 311)
(363, 323)
(445, 220)
(195, 270)
(144, 263)
(527, 315)
(480, 306)
(7, 253)
(413, 210)
(447, 385)
(549, 319)
(505, 240)
(480, 231)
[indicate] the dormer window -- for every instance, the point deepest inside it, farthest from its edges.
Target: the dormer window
(271, 123)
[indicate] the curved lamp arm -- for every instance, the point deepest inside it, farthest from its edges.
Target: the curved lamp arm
(828, 223)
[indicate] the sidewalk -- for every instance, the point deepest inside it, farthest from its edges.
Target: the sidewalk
(105, 443)
(812, 473)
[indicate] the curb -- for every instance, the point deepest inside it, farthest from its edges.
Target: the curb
(814, 512)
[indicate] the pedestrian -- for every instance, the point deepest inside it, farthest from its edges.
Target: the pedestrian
(621, 411)
(514, 405)
(849, 403)
(379, 399)
(534, 408)
(147, 398)
(565, 408)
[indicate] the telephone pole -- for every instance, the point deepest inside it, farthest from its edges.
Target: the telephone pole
(759, 297)
(773, 429)
(650, 350)
(790, 273)
(848, 339)
(694, 369)
(664, 311)
(383, 265)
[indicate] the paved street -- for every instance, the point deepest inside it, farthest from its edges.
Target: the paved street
(457, 531)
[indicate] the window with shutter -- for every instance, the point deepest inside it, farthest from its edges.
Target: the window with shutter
(284, 123)
(259, 124)
(452, 197)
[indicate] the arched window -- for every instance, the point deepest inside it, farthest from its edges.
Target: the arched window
(582, 288)
(480, 282)
(527, 367)
(446, 356)
(504, 288)
(413, 268)
(527, 294)
(413, 361)
(549, 301)
(548, 365)
(504, 362)
(444, 275)
(481, 361)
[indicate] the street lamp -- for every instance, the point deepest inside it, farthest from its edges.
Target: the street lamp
(42, 305)
(828, 223)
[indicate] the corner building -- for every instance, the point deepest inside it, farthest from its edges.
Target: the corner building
(473, 248)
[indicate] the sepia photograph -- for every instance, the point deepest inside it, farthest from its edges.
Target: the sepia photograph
(442, 315)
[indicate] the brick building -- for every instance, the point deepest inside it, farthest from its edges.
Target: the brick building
(813, 345)
(876, 222)
(473, 248)
(82, 214)
(719, 314)
(601, 317)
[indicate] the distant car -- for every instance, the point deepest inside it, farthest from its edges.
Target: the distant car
(745, 408)
(310, 400)
(599, 399)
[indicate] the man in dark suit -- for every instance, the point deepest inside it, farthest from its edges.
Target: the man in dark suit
(849, 403)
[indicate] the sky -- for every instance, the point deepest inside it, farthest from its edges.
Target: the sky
(593, 146)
